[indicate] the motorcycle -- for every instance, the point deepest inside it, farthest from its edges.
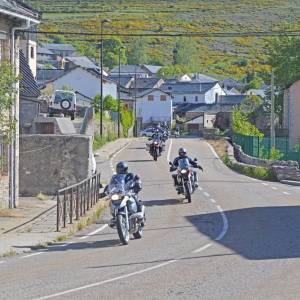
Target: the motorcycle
(177, 134)
(185, 178)
(124, 211)
(156, 147)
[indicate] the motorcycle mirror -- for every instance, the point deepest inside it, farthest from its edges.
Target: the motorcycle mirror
(195, 159)
(170, 163)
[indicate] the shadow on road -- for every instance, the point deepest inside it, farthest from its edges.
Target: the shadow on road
(140, 160)
(257, 233)
(161, 202)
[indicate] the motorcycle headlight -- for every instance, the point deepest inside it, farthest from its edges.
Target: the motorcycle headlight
(183, 171)
(115, 197)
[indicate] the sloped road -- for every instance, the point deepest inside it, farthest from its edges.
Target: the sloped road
(238, 239)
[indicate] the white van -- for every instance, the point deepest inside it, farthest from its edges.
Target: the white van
(63, 102)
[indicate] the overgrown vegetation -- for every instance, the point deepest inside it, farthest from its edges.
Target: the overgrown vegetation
(7, 99)
(236, 57)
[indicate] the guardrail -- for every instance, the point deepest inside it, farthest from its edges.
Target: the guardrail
(73, 201)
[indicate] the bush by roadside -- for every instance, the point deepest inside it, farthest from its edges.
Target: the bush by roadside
(251, 171)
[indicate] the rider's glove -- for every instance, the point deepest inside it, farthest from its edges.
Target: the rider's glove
(199, 167)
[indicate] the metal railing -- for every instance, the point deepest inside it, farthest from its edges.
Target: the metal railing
(73, 201)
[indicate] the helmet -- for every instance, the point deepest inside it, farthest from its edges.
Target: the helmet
(122, 168)
(182, 152)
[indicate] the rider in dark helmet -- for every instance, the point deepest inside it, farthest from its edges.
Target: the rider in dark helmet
(122, 168)
(182, 153)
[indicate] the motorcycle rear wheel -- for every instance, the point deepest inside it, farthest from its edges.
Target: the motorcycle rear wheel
(122, 229)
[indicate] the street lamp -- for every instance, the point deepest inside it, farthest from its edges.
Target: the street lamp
(101, 76)
(119, 91)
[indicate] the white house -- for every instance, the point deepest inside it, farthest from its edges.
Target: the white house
(194, 91)
(84, 81)
(154, 105)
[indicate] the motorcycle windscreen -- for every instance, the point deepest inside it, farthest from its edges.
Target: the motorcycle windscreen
(183, 163)
(118, 184)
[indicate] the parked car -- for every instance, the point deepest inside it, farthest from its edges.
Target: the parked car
(63, 103)
(147, 132)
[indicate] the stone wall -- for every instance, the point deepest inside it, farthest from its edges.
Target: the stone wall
(284, 170)
(51, 162)
(4, 191)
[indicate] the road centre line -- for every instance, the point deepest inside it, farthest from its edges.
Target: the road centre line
(206, 194)
(202, 248)
(30, 255)
(286, 193)
(200, 188)
(2, 262)
(94, 232)
(265, 184)
(274, 188)
(169, 151)
(213, 200)
(225, 224)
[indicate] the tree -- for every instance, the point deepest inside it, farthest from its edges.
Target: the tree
(7, 99)
(109, 103)
(138, 51)
(185, 53)
(111, 52)
(172, 71)
(58, 39)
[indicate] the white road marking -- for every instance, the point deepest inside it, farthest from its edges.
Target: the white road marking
(169, 151)
(213, 200)
(117, 153)
(200, 188)
(33, 254)
(274, 188)
(286, 193)
(202, 248)
(2, 262)
(213, 151)
(225, 224)
(94, 232)
(206, 194)
(265, 184)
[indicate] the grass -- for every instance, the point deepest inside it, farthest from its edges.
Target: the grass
(9, 213)
(42, 197)
(250, 171)
(11, 252)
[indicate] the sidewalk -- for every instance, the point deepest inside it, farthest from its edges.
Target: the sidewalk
(33, 223)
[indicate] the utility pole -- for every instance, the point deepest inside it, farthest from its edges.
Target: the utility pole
(101, 76)
(135, 117)
(119, 93)
(272, 121)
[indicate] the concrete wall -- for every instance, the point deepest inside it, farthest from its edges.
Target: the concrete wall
(51, 162)
(28, 111)
(292, 113)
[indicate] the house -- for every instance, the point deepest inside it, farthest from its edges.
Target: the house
(84, 81)
(291, 112)
(202, 78)
(44, 55)
(257, 92)
(151, 70)
(141, 85)
(29, 93)
(132, 70)
(185, 77)
(125, 80)
(193, 91)
(154, 106)
(230, 83)
(81, 61)
(13, 15)
(62, 50)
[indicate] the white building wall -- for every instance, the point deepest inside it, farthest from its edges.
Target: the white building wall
(210, 96)
(156, 110)
(85, 83)
(190, 98)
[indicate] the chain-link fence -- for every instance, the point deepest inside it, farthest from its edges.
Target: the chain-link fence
(261, 147)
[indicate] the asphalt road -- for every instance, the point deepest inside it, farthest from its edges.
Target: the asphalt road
(238, 239)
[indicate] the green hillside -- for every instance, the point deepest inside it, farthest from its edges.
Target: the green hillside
(217, 56)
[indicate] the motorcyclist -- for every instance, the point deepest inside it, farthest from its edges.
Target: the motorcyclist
(158, 137)
(122, 168)
(182, 153)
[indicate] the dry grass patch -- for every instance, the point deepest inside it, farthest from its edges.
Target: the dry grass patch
(40, 196)
(9, 213)
(219, 146)
(9, 253)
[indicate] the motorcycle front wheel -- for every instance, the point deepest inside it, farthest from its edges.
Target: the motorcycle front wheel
(188, 192)
(122, 229)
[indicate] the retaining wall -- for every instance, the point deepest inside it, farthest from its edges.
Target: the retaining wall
(51, 162)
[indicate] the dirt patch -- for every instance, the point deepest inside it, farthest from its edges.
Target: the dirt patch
(219, 146)
(9, 213)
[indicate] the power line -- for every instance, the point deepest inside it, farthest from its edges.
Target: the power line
(178, 34)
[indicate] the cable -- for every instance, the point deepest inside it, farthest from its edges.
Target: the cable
(179, 34)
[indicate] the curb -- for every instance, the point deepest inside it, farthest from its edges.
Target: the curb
(290, 182)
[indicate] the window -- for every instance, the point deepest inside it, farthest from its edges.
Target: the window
(150, 97)
(31, 52)
(163, 98)
(196, 98)
(216, 97)
(184, 98)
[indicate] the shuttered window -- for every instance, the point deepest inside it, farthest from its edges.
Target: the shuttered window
(163, 98)
(150, 97)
